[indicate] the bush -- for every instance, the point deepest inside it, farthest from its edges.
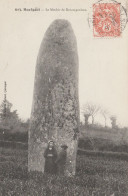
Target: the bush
(101, 145)
(15, 136)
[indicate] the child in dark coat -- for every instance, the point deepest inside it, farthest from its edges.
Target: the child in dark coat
(61, 161)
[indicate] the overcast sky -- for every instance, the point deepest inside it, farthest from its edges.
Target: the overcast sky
(103, 62)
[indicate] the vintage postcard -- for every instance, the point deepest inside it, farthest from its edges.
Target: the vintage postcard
(64, 98)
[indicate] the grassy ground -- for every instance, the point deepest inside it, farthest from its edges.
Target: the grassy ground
(96, 176)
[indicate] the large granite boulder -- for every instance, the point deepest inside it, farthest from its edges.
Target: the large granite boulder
(55, 109)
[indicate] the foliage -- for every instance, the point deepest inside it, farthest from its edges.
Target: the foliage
(14, 136)
(88, 143)
(95, 176)
(8, 117)
(113, 122)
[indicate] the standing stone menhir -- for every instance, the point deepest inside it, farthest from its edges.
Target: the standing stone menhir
(55, 109)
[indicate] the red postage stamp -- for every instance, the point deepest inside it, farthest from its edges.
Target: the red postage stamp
(106, 20)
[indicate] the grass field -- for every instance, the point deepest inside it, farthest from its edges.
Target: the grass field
(96, 176)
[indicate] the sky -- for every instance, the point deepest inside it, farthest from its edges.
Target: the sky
(103, 62)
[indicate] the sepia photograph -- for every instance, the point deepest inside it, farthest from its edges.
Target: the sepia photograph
(64, 98)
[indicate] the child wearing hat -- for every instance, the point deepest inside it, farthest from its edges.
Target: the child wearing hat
(61, 160)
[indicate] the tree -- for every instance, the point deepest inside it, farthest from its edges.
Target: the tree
(113, 122)
(8, 118)
(24, 125)
(86, 117)
(105, 114)
(90, 109)
(5, 109)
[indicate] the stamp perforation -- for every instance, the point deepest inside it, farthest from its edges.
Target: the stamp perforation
(106, 20)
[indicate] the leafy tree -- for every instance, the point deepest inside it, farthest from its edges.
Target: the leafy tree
(86, 117)
(8, 117)
(113, 122)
